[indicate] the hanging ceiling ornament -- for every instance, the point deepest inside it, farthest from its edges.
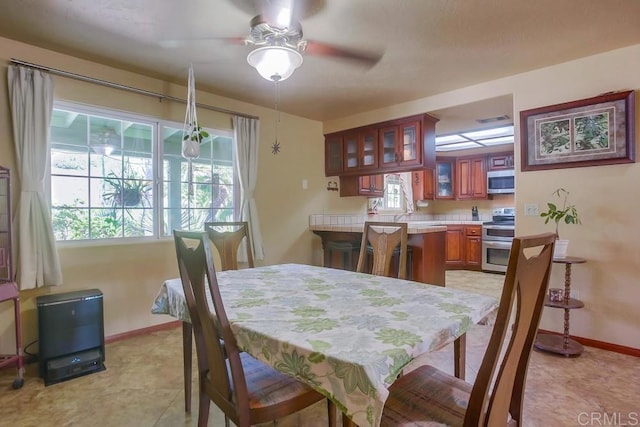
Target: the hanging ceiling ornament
(192, 133)
(275, 147)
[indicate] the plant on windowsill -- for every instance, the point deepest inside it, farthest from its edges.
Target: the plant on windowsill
(567, 214)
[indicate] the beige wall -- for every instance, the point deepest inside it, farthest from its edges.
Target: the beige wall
(129, 275)
(607, 196)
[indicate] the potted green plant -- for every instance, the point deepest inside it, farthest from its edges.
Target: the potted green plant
(567, 214)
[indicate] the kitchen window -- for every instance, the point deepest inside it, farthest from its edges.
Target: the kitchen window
(117, 175)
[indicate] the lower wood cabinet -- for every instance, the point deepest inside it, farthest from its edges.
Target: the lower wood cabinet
(463, 247)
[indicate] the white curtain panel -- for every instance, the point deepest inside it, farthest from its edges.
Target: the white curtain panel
(245, 135)
(407, 191)
(31, 99)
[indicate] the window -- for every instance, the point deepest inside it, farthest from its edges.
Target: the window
(393, 196)
(103, 165)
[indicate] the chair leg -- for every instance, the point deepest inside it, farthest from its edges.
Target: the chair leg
(203, 410)
(333, 413)
(186, 355)
(460, 356)
(347, 422)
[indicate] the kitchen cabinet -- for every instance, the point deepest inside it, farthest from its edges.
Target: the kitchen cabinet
(454, 246)
(444, 179)
(473, 247)
(500, 161)
(463, 247)
(360, 151)
(471, 178)
(333, 155)
(367, 185)
(399, 145)
(422, 184)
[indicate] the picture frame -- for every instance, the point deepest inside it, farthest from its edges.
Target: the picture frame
(589, 132)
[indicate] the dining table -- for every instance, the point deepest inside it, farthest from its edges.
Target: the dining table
(346, 334)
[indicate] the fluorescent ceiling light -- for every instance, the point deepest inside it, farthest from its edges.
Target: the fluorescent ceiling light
(475, 139)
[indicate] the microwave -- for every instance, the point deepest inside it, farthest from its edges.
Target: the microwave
(501, 182)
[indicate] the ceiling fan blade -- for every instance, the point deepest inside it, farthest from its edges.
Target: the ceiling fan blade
(366, 58)
(271, 9)
(175, 43)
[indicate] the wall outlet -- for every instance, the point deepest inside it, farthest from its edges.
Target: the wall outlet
(531, 209)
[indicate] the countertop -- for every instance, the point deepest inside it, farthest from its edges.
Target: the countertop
(413, 227)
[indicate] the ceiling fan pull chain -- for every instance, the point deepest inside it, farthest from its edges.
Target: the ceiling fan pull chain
(275, 147)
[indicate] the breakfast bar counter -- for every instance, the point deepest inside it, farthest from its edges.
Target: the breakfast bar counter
(425, 241)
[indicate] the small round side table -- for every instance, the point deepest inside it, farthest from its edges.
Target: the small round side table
(562, 344)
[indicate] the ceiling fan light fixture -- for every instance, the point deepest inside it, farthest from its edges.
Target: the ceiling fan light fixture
(275, 63)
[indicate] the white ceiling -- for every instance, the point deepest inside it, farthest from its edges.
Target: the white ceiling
(428, 46)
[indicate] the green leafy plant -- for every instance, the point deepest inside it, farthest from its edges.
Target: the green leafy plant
(568, 213)
(195, 133)
(126, 192)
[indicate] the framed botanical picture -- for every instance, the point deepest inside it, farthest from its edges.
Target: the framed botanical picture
(589, 132)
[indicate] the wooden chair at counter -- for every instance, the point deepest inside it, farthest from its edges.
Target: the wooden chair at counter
(227, 238)
(246, 390)
(495, 399)
(384, 238)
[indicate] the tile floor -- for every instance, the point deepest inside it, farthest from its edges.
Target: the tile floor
(142, 385)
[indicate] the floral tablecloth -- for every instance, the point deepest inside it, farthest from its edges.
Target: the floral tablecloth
(346, 334)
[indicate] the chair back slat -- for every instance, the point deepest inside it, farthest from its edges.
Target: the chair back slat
(524, 290)
(227, 237)
(384, 238)
(215, 342)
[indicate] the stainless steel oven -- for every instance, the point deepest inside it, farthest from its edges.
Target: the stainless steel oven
(497, 236)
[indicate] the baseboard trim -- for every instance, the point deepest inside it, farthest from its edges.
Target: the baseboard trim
(143, 331)
(630, 351)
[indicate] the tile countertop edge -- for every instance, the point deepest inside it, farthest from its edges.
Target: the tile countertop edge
(358, 228)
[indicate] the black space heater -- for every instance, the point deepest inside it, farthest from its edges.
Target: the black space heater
(71, 335)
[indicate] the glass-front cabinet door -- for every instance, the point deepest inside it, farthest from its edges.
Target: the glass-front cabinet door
(400, 144)
(369, 145)
(444, 180)
(350, 152)
(411, 149)
(361, 150)
(333, 155)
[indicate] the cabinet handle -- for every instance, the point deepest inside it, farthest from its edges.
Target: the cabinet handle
(396, 157)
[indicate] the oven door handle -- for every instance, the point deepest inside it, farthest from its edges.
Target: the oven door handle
(497, 245)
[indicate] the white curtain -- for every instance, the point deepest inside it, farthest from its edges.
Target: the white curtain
(31, 99)
(245, 134)
(407, 191)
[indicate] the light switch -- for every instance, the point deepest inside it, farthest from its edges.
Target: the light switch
(531, 210)
(305, 184)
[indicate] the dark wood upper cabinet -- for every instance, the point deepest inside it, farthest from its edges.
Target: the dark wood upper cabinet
(422, 184)
(395, 146)
(333, 155)
(366, 185)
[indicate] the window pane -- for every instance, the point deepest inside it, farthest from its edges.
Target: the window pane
(205, 195)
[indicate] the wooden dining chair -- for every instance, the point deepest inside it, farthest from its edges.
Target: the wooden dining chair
(246, 390)
(383, 238)
(227, 238)
(430, 395)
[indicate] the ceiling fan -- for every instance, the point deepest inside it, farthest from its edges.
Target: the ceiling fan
(276, 33)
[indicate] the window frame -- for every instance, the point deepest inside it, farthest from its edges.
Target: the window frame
(157, 153)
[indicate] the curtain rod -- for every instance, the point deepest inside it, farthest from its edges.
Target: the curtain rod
(125, 87)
